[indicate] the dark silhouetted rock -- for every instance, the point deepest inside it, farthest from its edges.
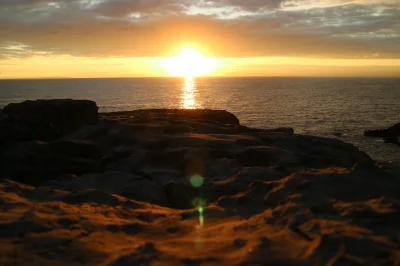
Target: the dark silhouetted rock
(67, 115)
(123, 184)
(285, 130)
(391, 139)
(15, 130)
(390, 135)
(79, 149)
(182, 195)
(35, 162)
(381, 133)
(176, 115)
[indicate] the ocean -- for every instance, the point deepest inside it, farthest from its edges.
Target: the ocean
(329, 107)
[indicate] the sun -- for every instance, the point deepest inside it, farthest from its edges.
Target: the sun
(189, 63)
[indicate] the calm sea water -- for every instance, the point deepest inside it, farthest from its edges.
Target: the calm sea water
(316, 106)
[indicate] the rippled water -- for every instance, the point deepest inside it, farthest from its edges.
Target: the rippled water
(317, 106)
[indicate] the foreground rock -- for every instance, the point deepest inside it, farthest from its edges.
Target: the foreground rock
(128, 191)
(390, 135)
(34, 162)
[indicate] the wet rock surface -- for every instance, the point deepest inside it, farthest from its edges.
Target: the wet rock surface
(193, 187)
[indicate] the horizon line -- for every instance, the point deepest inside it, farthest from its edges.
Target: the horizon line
(198, 77)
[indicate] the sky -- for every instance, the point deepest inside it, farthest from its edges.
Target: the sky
(132, 38)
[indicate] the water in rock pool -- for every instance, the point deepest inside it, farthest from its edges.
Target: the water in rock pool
(327, 107)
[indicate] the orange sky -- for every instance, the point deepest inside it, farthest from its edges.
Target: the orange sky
(132, 38)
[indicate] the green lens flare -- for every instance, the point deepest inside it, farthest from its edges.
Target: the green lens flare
(201, 217)
(197, 181)
(201, 220)
(199, 203)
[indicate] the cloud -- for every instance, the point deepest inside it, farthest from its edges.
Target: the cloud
(251, 5)
(225, 28)
(124, 7)
(6, 3)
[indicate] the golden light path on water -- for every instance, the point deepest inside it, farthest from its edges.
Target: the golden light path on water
(188, 94)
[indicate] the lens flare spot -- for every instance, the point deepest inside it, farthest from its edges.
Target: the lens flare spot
(201, 221)
(201, 210)
(197, 181)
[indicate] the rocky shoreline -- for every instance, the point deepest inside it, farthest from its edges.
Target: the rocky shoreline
(186, 187)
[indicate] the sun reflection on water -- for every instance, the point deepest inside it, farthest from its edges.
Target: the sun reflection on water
(188, 94)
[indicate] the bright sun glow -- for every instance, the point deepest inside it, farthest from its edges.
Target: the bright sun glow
(189, 63)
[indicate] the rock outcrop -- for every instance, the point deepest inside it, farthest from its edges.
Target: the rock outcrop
(390, 135)
(205, 115)
(194, 187)
(66, 115)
